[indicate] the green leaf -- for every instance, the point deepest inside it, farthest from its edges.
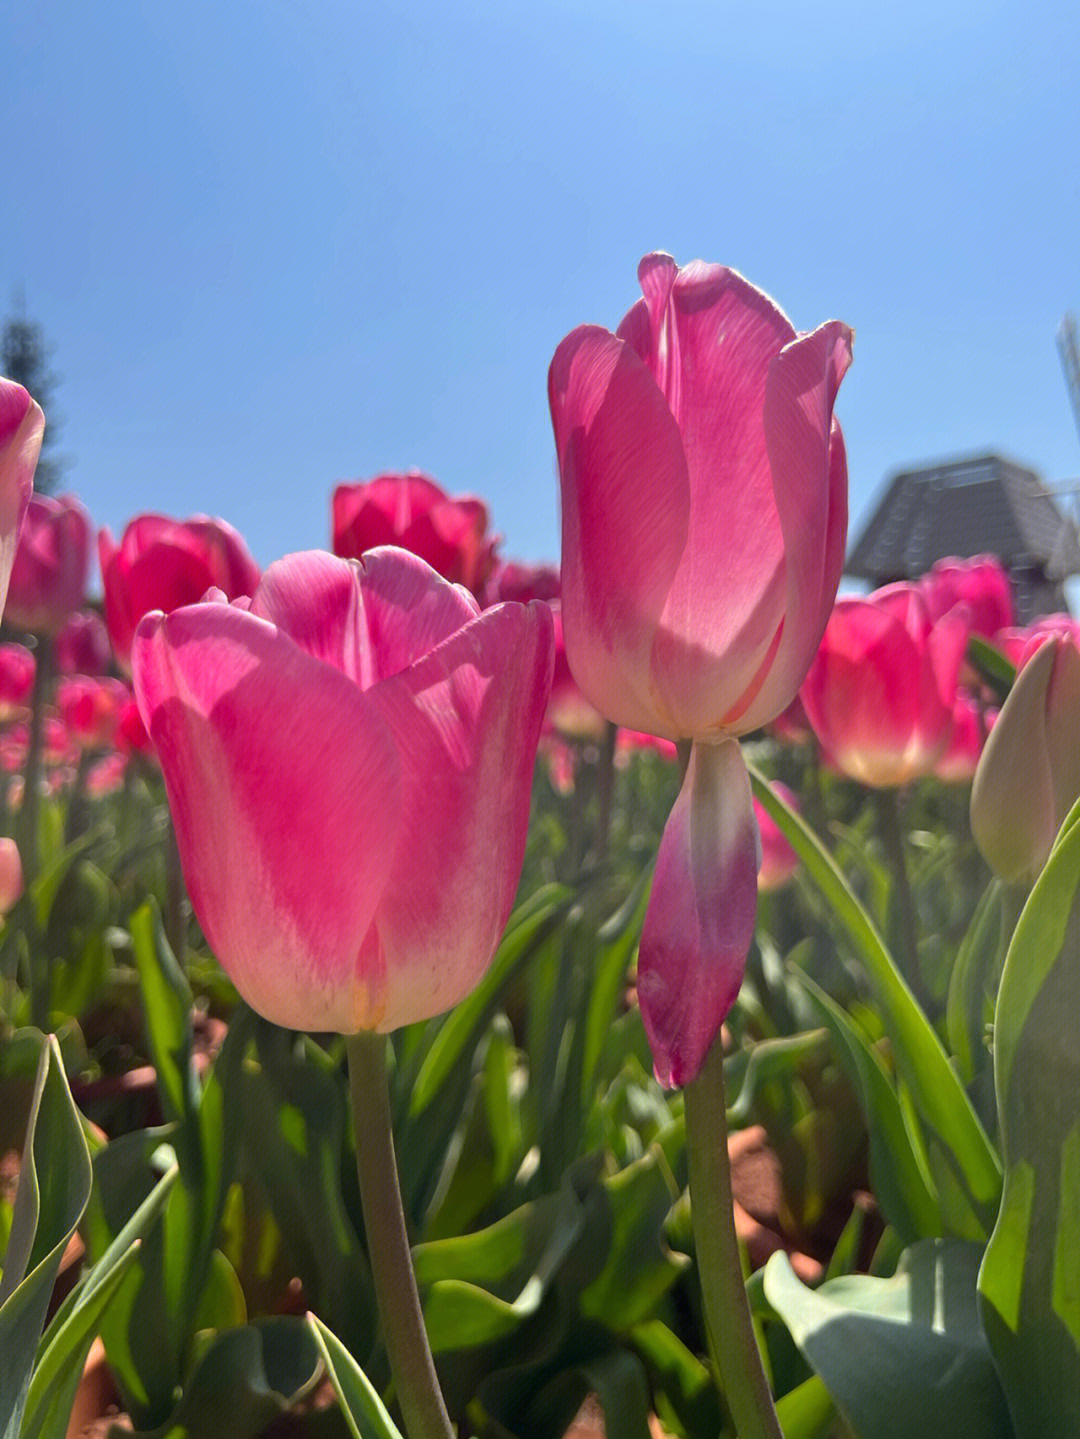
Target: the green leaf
(244, 1381)
(54, 1186)
(993, 666)
(903, 1186)
(900, 1353)
(807, 1411)
(167, 999)
(971, 985)
(687, 1401)
(1030, 1281)
(364, 1411)
(939, 1094)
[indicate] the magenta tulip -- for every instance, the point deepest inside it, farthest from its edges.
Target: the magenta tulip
(704, 514)
(17, 666)
(82, 647)
(569, 713)
(981, 583)
(881, 690)
(348, 760)
(11, 875)
(21, 428)
(411, 511)
(90, 707)
(162, 564)
(52, 565)
(971, 724)
(1019, 644)
(515, 581)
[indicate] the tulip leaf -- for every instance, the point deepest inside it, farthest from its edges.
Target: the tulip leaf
(246, 1379)
(902, 1184)
(1030, 1281)
(992, 665)
(900, 1353)
(167, 999)
(687, 1401)
(54, 1186)
(972, 984)
(364, 1412)
(941, 1098)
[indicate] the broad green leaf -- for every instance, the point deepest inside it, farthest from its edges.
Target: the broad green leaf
(616, 941)
(941, 1098)
(1030, 1281)
(900, 1353)
(364, 1411)
(167, 999)
(687, 1400)
(993, 666)
(244, 1381)
(971, 993)
(54, 1186)
(807, 1411)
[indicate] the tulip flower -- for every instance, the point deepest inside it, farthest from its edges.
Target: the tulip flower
(11, 875)
(1018, 644)
(981, 583)
(881, 690)
(348, 758)
(411, 511)
(90, 707)
(971, 724)
(778, 860)
(515, 581)
(704, 514)
(52, 565)
(17, 667)
(82, 647)
(569, 713)
(131, 736)
(1029, 773)
(162, 564)
(21, 428)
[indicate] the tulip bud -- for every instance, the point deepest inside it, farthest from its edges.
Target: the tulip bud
(11, 875)
(52, 565)
(1029, 774)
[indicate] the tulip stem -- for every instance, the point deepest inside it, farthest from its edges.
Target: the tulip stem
(728, 1321)
(175, 928)
(892, 833)
(605, 789)
(388, 1243)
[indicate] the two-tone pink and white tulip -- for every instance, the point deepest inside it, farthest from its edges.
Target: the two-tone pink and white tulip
(704, 515)
(412, 511)
(163, 564)
(52, 565)
(882, 688)
(348, 758)
(22, 426)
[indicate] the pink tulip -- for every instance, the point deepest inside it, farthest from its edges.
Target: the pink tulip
(17, 667)
(982, 584)
(569, 713)
(162, 564)
(515, 581)
(630, 741)
(52, 565)
(90, 707)
(1019, 644)
(413, 512)
(704, 513)
(791, 725)
(971, 725)
(11, 875)
(779, 861)
(348, 762)
(82, 647)
(106, 775)
(881, 690)
(131, 736)
(21, 428)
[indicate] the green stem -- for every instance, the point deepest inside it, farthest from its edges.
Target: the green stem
(727, 1313)
(175, 927)
(605, 789)
(388, 1243)
(892, 833)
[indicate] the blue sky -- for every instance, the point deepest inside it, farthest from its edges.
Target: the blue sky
(280, 246)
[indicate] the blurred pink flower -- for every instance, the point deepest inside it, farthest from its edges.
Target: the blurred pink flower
(704, 515)
(971, 724)
(881, 690)
(779, 861)
(512, 580)
(981, 583)
(17, 666)
(52, 565)
(11, 875)
(82, 647)
(21, 428)
(90, 707)
(349, 762)
(411, 511)
(162, 564)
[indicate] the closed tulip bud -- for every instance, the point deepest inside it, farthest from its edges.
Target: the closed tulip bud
(1029, 774)
(704, 514)
(412, 512)
(82, 647)
(52, 565)
(11, 875)
(22, 426)
(17, 668)
(348, 759)
(162, 564)
(981, 583)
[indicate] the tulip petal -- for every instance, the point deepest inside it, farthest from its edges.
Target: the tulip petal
(809, 471)
(284, 787)
(700, 920)
(466, 720)
(22, 425)
(625, 517)
(370, 618)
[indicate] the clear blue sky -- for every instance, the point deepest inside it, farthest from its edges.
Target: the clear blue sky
(278, 245)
